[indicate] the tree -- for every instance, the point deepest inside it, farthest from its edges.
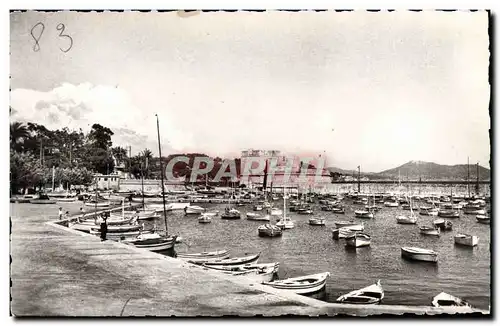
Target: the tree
(18, 134)
(120, 154)
(100, 136)
(25, 171)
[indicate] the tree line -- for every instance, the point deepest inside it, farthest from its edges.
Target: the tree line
(75, 156)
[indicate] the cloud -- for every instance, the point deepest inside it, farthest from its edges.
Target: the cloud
(80, 106)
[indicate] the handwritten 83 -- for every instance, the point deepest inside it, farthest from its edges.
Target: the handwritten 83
(37, 32)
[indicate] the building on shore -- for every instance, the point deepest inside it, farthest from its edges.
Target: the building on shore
(281, 171)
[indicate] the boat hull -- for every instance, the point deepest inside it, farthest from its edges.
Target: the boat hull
(357, 241)
(425, 257)
(468, 241)
(305, 289)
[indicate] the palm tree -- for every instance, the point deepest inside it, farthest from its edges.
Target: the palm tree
(18, 132)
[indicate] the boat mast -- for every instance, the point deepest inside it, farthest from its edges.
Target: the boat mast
(359, 180)
(284, 203)
(477, 178)
(161, 174)
(468, 176)
(95, 213)
(142, 187)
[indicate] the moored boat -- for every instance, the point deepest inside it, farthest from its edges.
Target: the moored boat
(193, 210)
(428, 230)
(275, 212)
(443, 225)
(338, 210)
(483, 219)
(42, 199)
(391, 204)
(258, 273)
(257, 217)
(317, 221)
(466, 240)
(301, 285)
(406, 219)
(357, 239)
(203, 257)
(428, 211)
(230, 214)
(342, 233)
(371, 294)
(446, 300)
(448, 213)
(363, 214)
(355, 226)
(269, 230)
(205, 218)
(234, 261)
(419, 254)
(152, 242)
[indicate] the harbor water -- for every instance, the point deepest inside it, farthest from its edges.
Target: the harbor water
(306, 249)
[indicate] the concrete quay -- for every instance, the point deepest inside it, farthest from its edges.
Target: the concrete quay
(56, 271)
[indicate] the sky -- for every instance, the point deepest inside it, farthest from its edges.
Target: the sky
(375, 89)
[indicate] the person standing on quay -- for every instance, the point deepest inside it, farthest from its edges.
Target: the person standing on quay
(60, 213)
(104, 227)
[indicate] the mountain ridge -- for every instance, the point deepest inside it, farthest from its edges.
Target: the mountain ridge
(415, 170)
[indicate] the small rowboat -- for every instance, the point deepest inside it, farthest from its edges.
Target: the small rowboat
(357, 240)
(117, 228)
(406, 219)
(338, 210)
(372, 294)
(257, 217)
(269, 230)
(276, 212)
(205, 218)
(342, 233)
(231, 214)
(429, 211)
(466, 240)
(474, 211)
(42, 199)
(443, 225)
(449, 213)
(355, 226)
(317, 221)
(203, 257)
(306, 212)
(483, 219)
(254, 272)
(98, 204)
(193, 210)
(391, 204)
(234, 261)
(258, 207)
(118, 236)
(428, 230)
(420, 254)
(363, 214)
(301, 285)
(152, 242)
(285, 224)
(447, 300)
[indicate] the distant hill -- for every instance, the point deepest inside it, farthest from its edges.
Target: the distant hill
(414, 170)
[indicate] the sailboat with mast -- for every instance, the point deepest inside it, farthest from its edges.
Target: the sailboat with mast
(155, 241)
(412, 219)
(285, 222)
(231, 213)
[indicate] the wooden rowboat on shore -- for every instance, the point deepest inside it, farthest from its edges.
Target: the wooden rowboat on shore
(203, 257)
(308, 284)
(372, 294)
